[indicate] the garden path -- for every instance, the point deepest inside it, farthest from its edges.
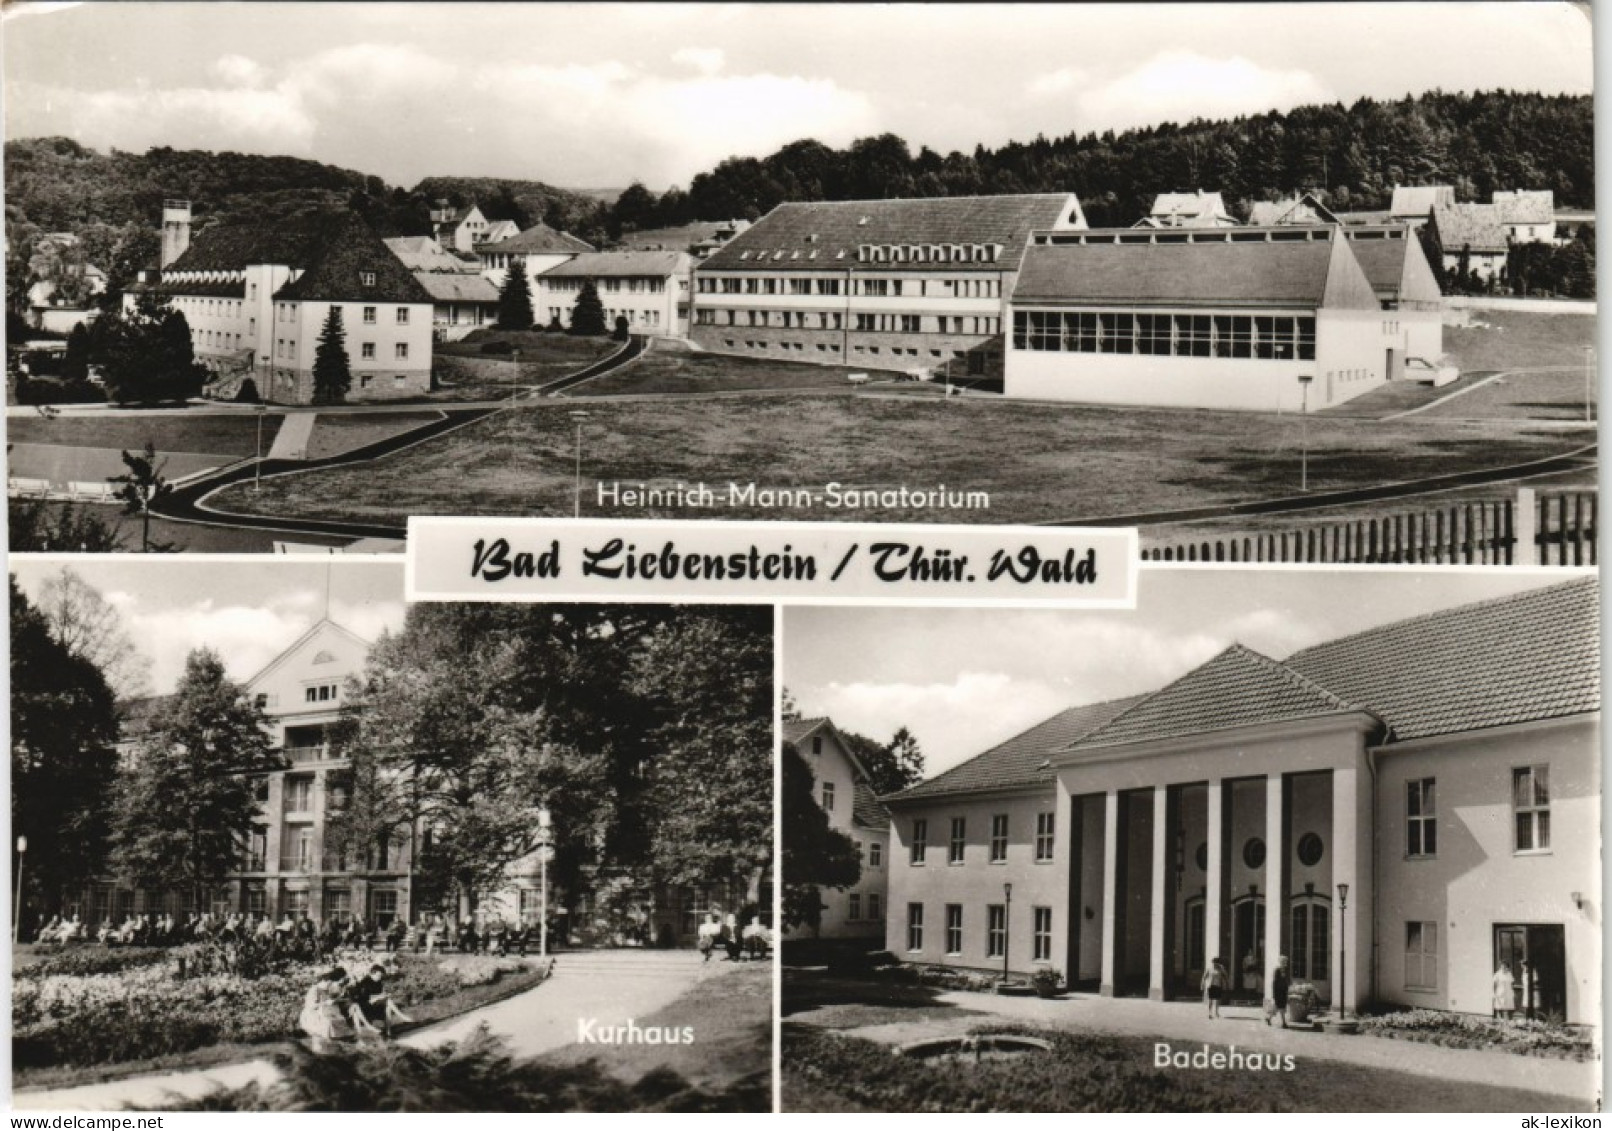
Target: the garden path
(1184, 1025)
(609, 987)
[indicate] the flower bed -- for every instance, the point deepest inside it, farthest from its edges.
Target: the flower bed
(104, 1018)
(95, 960)
(1468, 1031)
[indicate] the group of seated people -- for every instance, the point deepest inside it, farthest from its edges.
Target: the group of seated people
(340, 1005)
(752, 940)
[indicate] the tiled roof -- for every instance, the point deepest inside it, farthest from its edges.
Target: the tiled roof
(866, 809)
(797, 729)
(1526, 207)
(1474, 226)
(1021, 760)
(1213, 273)
(1303, 209)
(536, 240)
(422, 253)
(225, 289)
(456, 288)
(1396, 268)
(332, 251)
(1239, 687)
(1523, 658)
(1419, 200)
(826, 234)
(1189, 209)
(621, 264)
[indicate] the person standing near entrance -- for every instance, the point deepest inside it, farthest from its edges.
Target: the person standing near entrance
(1505, 991)
(1214, 986)
(1280, 981)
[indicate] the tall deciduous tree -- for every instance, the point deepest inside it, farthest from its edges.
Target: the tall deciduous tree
(63, 759)
(588, 316)
(515, 299)
(92, 629)
(332, 371)
(816, 855)
(188, 796)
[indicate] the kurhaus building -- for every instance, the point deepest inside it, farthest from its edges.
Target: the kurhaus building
(841, 788)
(1397, 811)
(889, 284)
(256, 297)
(1269, 319)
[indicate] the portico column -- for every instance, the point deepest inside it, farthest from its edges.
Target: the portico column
(1212, 893)
(1157, 920)
(1110, 887)
(1275, 864)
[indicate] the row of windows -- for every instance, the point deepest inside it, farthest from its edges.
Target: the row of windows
(996, 931)
(882, 287)
(651, 286)
(834, 347)
(209, 307)
(865, 323)
(217, 339)
(957, 842)
(853, 910)
(1530, 804)
(1269, 338)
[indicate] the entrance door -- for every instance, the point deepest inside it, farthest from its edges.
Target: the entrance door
(1247, 957)
(1537, 956)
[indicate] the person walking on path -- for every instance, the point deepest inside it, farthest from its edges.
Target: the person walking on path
(1214, 987)
(1280, 982)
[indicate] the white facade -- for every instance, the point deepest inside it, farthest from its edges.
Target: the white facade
(858, 911)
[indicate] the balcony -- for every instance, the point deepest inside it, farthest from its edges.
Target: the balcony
(255, 862)
(297, 864)
(297, 755)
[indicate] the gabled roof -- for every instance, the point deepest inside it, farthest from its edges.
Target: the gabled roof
(536, 240)
(318, 628)
(865, 807)
(422, 253)
(1237, 688)
(622, 264)
(821, 235)
(1474, 226)
(1215, 272)
(1190, 210)
(1303, 208)
(1021, 760)
(1523, 658)
(1397, 268)
(1523, 206)
(1419, 200)
(332, 250)
(457, 288)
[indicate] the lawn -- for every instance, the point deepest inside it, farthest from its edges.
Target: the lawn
(731, 1015)
(1546, 394)
(234, 434)
(851, 1001)
(670, 370)
(467, 374)
(1038, 462)
(335, 433)
(1478, 339)
(826, 1071)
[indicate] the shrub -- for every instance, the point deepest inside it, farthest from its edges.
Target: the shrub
(476, 1074)
(87, 960)
(1550, 1039)
(497, 346)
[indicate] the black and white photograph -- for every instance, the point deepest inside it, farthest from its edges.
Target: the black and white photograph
(281, 276)
(1287, 840)
(284, 843)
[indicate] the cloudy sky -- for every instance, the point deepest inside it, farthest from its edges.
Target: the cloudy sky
(584, 95)
(963, 680)
(247, 612)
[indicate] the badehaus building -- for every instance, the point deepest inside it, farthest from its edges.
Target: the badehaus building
(1398, 811)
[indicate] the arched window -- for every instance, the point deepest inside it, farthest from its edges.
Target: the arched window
(1310, 938)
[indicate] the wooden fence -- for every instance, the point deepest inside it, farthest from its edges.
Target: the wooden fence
(1558, 528)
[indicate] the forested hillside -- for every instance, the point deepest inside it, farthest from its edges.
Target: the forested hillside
(1353, 154)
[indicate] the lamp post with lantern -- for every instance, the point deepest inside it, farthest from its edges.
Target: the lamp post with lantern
(545, 853)
(1007, 918)
(1343, 952)
(1304, 431)
(16, 907)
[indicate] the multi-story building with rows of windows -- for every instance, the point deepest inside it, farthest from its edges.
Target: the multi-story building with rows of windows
(1398, 812)
(888, 284)
(648, 289)
(256, 297)
(841, 788)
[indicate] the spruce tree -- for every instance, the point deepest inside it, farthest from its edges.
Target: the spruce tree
(515, 299)
(76, 362)
(332, 372)
(588, 316)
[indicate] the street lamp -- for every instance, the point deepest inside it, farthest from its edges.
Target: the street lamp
(16, 909)
(545, 851)
(257, 468)
(1343, 952)
(1304, 431)
(579, 416)
(1589, 384)
(1007, 919)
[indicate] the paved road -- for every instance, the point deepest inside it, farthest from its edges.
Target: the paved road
(608, 987)
(1184, 1024)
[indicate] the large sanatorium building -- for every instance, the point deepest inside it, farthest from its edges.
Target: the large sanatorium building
(1397, 811)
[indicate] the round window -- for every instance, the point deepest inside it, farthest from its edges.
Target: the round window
(1310, 850)
(1202, 857)
(1254, 852)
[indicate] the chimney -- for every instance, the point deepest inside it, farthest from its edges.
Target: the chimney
(175, 230)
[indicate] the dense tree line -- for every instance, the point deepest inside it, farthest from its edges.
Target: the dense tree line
(1352, 155)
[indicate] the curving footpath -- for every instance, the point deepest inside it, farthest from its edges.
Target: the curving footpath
(187, 503)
